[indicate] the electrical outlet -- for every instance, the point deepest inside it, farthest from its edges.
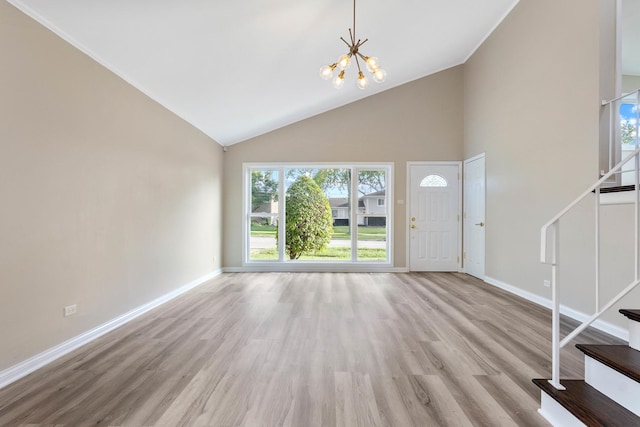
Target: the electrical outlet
(70, 310)
(547, 283)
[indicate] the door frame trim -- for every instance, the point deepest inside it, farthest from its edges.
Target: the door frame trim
(467, 161)
(457, 163)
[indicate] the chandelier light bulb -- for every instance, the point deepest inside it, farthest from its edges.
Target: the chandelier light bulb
(338, 81)
(354, 44)
(379, 75)
(326, 72)
(373, 63)
(362, 81)
(344, 61)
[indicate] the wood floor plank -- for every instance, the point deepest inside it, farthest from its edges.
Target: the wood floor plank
(512, 398)
(391, 405)
(355, 401)
(308, 349)
(480, 407)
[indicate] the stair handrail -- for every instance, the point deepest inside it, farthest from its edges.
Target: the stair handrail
(624, 95)
(612, 170)
(563, 212)
(554, 225)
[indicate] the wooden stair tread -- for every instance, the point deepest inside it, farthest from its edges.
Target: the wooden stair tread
(631, 314)
(622, 358)
(589, 405)
(616, 189)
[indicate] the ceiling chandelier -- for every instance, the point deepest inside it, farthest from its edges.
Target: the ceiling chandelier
(373, 63)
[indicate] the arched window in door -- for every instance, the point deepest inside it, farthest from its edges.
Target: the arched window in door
(433, 181)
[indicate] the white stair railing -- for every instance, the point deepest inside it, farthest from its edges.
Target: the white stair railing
(550, 249)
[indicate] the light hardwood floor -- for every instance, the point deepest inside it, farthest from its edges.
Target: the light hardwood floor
(308, 349)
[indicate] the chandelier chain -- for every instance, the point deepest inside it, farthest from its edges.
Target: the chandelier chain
(353, 38)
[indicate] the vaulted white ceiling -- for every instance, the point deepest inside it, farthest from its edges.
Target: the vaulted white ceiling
(238, 69)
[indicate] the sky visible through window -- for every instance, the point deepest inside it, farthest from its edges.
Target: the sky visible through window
(628, 112)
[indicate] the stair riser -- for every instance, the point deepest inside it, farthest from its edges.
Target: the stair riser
(613, 384)
(556, 414)
(634, 334)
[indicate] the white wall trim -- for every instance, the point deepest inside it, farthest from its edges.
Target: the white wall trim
(476, 157)
(26, 367)
(601, 325)
(314, 268)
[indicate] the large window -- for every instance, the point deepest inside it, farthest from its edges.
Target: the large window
(317, 213)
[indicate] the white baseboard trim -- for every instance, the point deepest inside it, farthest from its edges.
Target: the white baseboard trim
(26, 367)
(310, 268)
(601, 325)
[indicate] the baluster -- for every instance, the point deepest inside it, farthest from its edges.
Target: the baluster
(637, 211)
(597, 266)
(555, 321)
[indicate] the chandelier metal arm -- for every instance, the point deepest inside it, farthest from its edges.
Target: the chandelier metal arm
(358, 63)
(360, 43)
(364, 58)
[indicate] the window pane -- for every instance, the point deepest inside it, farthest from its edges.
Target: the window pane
(263, 242)
(372, 218)
(317, 214)
(628, 114)
(372, 240)
(433, 181)
(628, 135)
(264, 215)
(264, 191)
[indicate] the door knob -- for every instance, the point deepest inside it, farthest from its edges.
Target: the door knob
(481, 224)
(413, 226)
(413, 218)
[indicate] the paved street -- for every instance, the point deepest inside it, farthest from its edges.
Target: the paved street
(262, 242)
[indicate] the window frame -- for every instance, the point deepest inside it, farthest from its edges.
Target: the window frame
(284, 264)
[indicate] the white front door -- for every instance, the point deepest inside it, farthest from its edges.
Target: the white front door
(434, 215)
(474, 218)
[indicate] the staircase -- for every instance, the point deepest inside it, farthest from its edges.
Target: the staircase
(610, 393)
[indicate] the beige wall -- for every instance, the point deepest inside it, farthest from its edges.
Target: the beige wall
(421, 120)
(630, 83)
(532, 104)
(108, 199)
